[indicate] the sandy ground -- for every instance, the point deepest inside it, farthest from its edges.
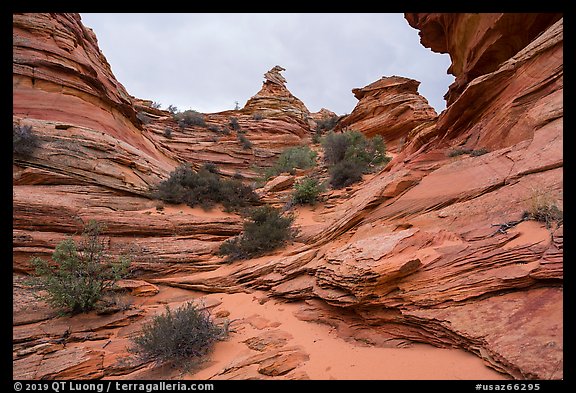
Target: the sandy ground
(330, 357)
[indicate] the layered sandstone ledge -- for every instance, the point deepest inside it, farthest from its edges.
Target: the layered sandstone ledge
(392, 108)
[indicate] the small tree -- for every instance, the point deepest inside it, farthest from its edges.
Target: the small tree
(335, 146)
(172, 109)
(186, 333)
(82, 273)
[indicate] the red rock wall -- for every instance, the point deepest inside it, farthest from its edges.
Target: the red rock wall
(419, 252)
(97, 160)
(64, 88)
(390, 107)
(478, 42)
(61, 75)
(509, 79)
(507, 105)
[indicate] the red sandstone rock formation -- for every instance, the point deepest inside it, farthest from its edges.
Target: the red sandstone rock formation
(97, 157)
(271, 120)
(322, 114)
(390, 107)
(478, 42)
(61, 75)
(419, 252)
(275, 100)
(423, 251)
(63, 87)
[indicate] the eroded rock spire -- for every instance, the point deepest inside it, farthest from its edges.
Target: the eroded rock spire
(274, 76)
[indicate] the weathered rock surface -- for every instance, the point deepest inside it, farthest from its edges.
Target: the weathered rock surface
(275, 100)
(322, 114)
(63, 87)
(416, 248)
(46, 215)
(103, 166)
(390, 107)
(522, 95)
(478, 42)
(274, 363)
(422, 251)
(57, 59)
(279, 183)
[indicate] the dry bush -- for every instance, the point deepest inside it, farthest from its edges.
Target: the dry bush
(542, 207)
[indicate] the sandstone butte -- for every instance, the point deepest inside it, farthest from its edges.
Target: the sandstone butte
(414, 259)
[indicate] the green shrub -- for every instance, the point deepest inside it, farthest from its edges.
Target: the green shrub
(354, 146)
(335, 146)
(167, 132)
(174, 189)
(306, 191)
(543, 208)
(323, 126)
(204, 187)
(316, 138)
(190, 118)
(266, 230)
(478, 152)
(215, 128)
(234, 194)
(350, 154)
(376, 150)
(301, 157)
(82, 273)
(179, 335)
(211, 167)
(345, 173)
(24, 140)
(326, 124)
(458, 152)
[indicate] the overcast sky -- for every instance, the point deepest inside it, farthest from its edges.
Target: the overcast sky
(207, 62)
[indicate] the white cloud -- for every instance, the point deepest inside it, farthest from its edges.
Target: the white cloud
(208, 61)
